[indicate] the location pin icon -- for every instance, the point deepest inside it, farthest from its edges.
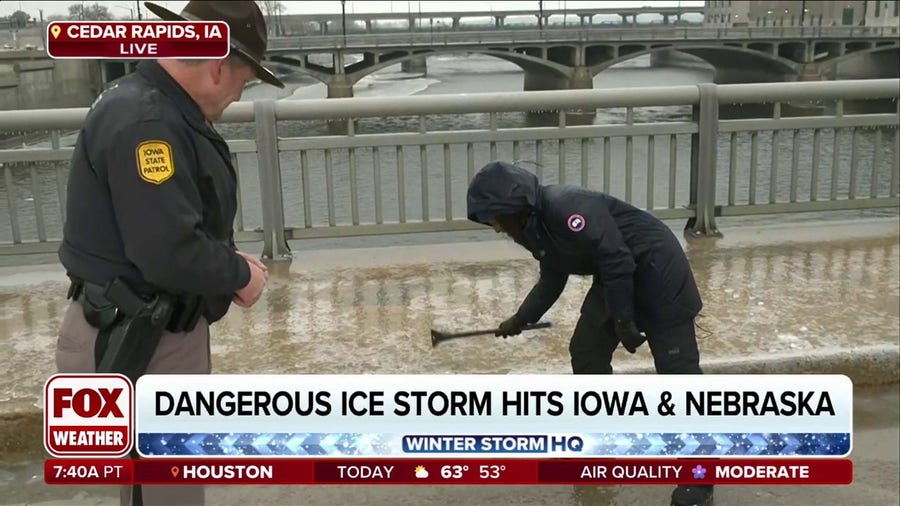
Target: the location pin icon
(54, 30)
(174, 471)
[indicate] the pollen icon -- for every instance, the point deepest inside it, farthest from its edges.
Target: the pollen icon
(421, 472)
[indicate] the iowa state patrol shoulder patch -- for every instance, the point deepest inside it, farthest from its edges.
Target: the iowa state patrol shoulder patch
(155, 163)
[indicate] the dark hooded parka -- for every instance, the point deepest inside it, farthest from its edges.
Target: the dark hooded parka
(636, 260)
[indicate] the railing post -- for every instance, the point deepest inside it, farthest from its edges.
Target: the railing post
(275, 246)
(704, 147)
(60, 177)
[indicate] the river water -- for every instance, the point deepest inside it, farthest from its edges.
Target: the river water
(451, 74)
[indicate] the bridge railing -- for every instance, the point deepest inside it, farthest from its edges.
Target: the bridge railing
(362, 166)
(580, 34)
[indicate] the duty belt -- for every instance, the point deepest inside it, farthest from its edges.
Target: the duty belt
(109, 304)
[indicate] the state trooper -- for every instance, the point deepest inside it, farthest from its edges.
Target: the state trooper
(148, 239)
(643, 287)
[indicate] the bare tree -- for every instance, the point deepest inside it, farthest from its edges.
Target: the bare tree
(95, 12)
(272, 11)
(19, 19)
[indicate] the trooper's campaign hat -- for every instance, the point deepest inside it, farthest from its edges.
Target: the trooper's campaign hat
(245, 22)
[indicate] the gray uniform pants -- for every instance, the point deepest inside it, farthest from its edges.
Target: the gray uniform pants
(182, 353)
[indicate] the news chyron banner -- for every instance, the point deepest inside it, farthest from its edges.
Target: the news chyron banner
(449, 429)
(137, 39)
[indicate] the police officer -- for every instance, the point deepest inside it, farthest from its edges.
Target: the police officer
(151, 205)
(643, 285)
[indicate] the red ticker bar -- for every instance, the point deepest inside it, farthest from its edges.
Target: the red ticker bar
(258, 471)
(138, 39)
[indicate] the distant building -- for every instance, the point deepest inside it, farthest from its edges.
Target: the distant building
(883, 13)
(727, 13)
(802, 13)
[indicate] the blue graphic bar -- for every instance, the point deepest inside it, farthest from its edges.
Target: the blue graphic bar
(582, 445)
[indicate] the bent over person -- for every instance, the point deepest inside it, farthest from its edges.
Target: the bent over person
(643, 287)
(148, 239)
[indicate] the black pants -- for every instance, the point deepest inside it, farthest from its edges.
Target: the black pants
(591, 349)
(674, 349)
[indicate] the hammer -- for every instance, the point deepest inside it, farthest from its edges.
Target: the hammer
(438, 337)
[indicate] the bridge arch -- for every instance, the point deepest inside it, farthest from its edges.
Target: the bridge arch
(832, 62)
(295, 64)
(712, 54)
(526, 62)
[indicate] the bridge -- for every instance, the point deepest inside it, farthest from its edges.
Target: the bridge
(411, 21)
(570, 58)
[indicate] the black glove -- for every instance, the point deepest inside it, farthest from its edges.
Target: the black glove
(629, 335)
(510, 327)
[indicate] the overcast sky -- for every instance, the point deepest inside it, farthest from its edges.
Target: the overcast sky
(121, 8)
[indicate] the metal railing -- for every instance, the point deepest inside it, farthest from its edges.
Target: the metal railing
(362, 166)
(598, 34)
(547, 12)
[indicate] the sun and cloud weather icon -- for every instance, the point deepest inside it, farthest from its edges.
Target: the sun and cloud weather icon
(421, 472)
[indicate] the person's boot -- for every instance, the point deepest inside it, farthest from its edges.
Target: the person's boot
(692, 495)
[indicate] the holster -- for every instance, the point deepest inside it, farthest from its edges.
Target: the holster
(130, 325)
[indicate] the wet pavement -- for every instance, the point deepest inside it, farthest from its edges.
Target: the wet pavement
(795, 290)
(798, 292)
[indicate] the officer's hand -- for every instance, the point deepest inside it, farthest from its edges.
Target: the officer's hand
(253, 260)
(249, 294)
(510, 327)
(629, 335)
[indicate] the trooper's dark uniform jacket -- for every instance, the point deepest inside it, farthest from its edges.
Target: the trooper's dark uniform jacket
(638, 262)
(152, 196)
